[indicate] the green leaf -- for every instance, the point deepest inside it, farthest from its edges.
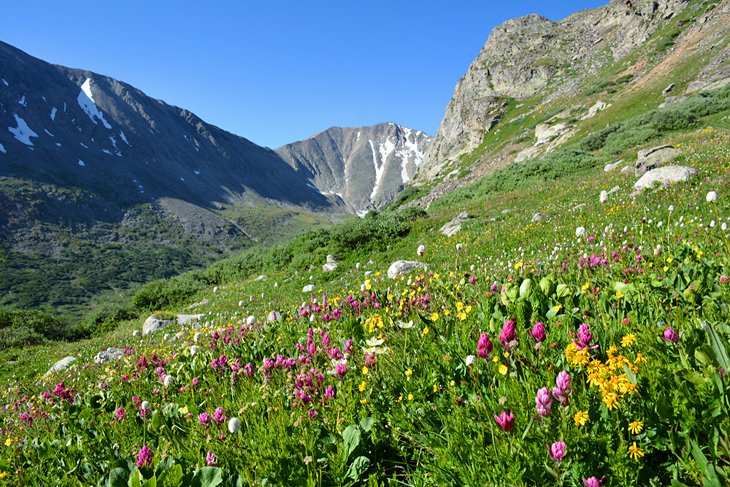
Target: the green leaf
(208, 477)
(358, 467)
(135, 479)
(119, 477)
(351, 436)
(526, 289)
(156, 420)
(718, 348)
(562, 290)
(171, 477)
(366, 424)
(709, 477)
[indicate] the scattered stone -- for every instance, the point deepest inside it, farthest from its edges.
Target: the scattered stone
(308, 288)
(711, 197)
(668, 89)
(251, 320)
(506, 210)
(603, 197)
(401, 267)
(368, 273)
(627, 169)
(215, 289)
(421, 249)
(595, 109)
(261, 278)
(648, 159)
(135, 333)
(454, 226)
(331, 264)
(613, 190)
(664, 176)
(188, 319)
(110, 355)
(672, 100)
(545, 133)
(153, 323)
(580, 231)
(537, 217)
(273, 316)
(358, 265)
(611, 167)
(61, 365)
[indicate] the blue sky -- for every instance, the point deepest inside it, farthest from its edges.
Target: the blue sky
(276, 71)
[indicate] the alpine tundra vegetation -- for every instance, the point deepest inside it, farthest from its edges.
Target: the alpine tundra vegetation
(571, 328)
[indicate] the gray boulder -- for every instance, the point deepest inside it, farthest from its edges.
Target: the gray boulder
(611, 167)
(153, 324)
(308, 288)
(627, 169)
(615, 189)
(61, 365)
(648, 159)
(672, 100)
(454, 226)
(330, 265)
(664, 176)
(401, 267)
(110, 355)
(188, 319)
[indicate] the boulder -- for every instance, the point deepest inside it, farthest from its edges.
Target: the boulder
(615, 189)
(188, 319)
(61, 365)
(110, 355)
(603, 197)
(545, 133)
(536, 217)
(454, 226)
(421, 249)
(308, 288)
(153, 323)
(627, 169)
(599, 105)
(401, 267)
(648, 159)
(664, 176)
(611, 167)
(668, 89)
(331, 264)
(273, 316)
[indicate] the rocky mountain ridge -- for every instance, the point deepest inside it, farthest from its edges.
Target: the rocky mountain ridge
(534, 56)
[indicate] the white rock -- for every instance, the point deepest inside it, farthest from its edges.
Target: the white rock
(664, 175)
(61, 364)
(400, 267)
(603, 197)
(611, 167)
(111, 354)
(153, 324)
(580, 231)
(421, 249)
(188, 319)
(251, 320)
(234, 425)
(711, 196)
(308, 288)
(215, 289)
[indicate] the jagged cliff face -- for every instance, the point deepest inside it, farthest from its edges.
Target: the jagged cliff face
(365, 166)
(533, 55)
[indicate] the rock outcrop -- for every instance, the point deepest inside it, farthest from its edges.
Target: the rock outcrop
(532, 54)
(664, 176)
(401, 267)
(648, 159)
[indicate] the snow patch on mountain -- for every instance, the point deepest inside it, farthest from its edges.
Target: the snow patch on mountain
(2, 148)
(53, 113)
(86, 102)
(22, 132)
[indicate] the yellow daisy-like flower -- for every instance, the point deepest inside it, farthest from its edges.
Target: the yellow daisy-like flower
(365, 370)
(410, 396)
(636, 427)
(362, 386)
(424, 332)
(635, 452)
(611, 400)
(409, 373)
(461, 316)
(435, 388)
(628, 340)
(9, 441)
(581, 418)
(434, 316)
(459, 306)
(363, 401)
(502, 369)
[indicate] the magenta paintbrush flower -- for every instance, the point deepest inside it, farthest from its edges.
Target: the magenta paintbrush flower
(543, 402)
(508, 333)
(670, 335)
(593, 482)
(144, 457)
(484, 346)
(557, 450)
(505, 421)
(538, 332)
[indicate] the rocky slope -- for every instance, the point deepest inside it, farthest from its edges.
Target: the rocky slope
(366, 166)
(532, 56)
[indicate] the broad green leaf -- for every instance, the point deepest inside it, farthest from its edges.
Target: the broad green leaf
(718, 348)
(351, 436)
(208, 477)
(709, 477)
(118, 477)
(366, 424)
(171, 477)
(358, 467)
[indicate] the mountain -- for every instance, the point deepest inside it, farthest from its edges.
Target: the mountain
(533, 57)
(101, 185)
(365, 166)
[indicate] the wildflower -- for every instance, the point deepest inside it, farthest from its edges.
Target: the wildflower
(502, 369)
(580, 231)
(424, 332)
(538, 332)
(581, 418)
(167, 381)
(362, 386)
(144, 457)
(611, 400)
(218, 415)
(329, 392)
(543, 402)
(508, 333)
(365, 370)
(628, 340)
(434, 316)
(409, 373)
(484, 345)
(593, 482)
(120, 414)
(470, 359)
(410, 396)
(635, 452)
(204, 419)
(636, 427)
(505, 421)
(210, 459)
(312, 414)
(405, 326)
(670, 335)
(557, 450)
(585, 337)
(234, 425)
(723, 278)
(8, 441)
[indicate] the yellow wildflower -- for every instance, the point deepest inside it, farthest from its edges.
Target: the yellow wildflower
(461, 316)
(581, 418)
(628, 340)
(424, 332)
(410, 396)
(362, 386)
(635, 452)
(459, 306)
(9, 441)
(502, 369)
(363, 401)
(611, 400)
(365, 370)
(636, 427)
(434, 316)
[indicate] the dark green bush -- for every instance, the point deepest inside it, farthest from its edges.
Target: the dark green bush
(105, 317)
(19, 327)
